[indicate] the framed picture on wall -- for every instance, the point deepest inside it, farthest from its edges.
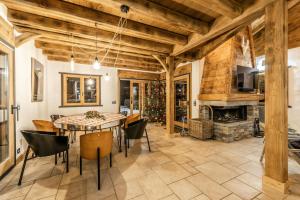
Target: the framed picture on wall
(37, 81)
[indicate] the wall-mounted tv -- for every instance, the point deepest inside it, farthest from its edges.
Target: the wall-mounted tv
(246, 78)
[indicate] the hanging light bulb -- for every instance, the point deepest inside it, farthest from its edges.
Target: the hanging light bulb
(106, 77)
(96, 64)
(72, 63)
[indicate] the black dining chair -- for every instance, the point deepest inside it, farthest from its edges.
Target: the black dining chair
(134, 131)
(44, 144)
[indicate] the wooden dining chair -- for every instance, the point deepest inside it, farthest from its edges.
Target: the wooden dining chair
(94, 146)
(44, 125)
(132, 118)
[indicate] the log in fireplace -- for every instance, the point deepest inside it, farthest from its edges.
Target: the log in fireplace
(229, 114)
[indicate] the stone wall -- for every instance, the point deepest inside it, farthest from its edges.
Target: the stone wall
(229, 132)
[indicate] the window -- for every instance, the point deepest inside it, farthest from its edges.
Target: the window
(80, 90)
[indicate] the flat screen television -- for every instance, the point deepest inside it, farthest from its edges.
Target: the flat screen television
(246, 78)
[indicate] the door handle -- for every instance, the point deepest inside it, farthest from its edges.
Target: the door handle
(15, 110)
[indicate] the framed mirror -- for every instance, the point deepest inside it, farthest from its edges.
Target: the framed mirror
(37, 81)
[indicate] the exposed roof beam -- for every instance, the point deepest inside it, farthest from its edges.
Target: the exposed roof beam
(82, 42)
(25, 37)
(49, 24)
(68, 48)
(228, 8)
(86, 16)
(108, 58)
(153, 11)
(162, 61)
(107, 64)
(223, 25)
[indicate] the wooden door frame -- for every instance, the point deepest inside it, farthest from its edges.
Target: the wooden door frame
(7, 165)
(188, 78)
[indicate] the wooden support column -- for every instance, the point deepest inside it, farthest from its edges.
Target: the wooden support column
(170, 99)
(276, 116)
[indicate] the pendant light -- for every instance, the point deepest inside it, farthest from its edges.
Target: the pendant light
(72, 62)
(96, 64)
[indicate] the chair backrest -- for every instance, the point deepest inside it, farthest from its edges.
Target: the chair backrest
(90, 142)
(136, 129)
(124, 112)
(131, 118)
(45, 143)
(43, 125)
(55, 117)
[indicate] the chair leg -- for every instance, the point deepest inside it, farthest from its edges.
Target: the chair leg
(67, 160)
(128, 144)
(24, 164)
(80, 165)
(125, 139)
(148, 140)
(262, 154)
(110, 159)
(98, 166)
(55, 159)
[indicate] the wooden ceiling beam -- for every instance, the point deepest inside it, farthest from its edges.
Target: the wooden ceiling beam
(68, 48)
(25, 37)
(105, 64)
(79, 53)
(156, 12)
(224, 24)
(228, 8)
(91, 57)
(83, 42)
(50, 24)
(66, 11)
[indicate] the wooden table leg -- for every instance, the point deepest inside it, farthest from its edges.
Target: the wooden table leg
(120, 137)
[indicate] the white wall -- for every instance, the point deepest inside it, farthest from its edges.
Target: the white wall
(197, 70)
(108, 88)
(28, 110)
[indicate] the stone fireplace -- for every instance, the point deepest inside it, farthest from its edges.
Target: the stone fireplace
(233, 120)
(234, 111)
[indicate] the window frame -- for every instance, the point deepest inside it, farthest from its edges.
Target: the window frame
(82, 102)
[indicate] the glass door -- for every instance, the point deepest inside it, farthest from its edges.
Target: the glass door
(182, 100)
(7, 136)
(135, 94)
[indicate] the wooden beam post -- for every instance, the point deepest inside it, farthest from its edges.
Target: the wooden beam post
(170, 99)
(25, 37)
(276, 116)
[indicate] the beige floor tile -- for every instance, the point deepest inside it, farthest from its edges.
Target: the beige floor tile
(180, 159)
(154, 187)
(251, 180)
(44, 188)
(159, 157)
(216, 172)
(201, 197)
(210, 188)
(171, 197)
(184, 189)
(233, 168)
(189, 168)
(131, 171)
(241, 189)
(52, 197)
(255, 168)
(141, 197)
(232, 197)
(15, 191)
(128, 190)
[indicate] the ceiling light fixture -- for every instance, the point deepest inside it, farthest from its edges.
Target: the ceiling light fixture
(72, 62)
(96, 64)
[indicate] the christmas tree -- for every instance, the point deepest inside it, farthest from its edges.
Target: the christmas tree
(155, 107)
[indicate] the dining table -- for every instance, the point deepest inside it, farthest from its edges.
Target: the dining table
(80, 122)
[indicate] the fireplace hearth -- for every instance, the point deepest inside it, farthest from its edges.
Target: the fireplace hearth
(232, 120)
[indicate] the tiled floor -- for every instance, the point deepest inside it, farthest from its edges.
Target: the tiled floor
(177, 168)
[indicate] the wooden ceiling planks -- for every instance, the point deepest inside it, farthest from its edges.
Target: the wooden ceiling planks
(186, 29)
(293, 32)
